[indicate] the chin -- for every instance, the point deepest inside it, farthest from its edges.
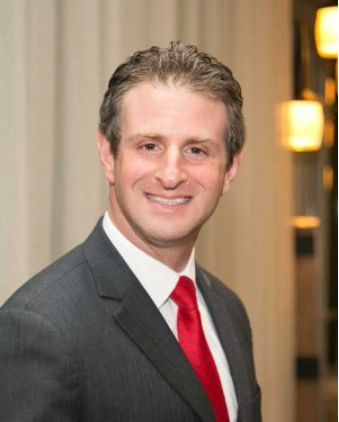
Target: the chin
(171, 238)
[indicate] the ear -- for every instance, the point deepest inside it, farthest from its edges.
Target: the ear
(232, 172)
(106, 156)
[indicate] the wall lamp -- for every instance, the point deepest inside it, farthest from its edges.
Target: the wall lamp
(326, 32)
(302, 125)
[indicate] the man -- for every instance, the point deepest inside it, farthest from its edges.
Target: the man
(126, 327)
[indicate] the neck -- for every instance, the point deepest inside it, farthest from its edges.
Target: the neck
(174, 258)
(174, 255)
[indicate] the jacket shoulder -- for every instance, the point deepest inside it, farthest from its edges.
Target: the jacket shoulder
(219, 287)
(229, 297)
(47, 279)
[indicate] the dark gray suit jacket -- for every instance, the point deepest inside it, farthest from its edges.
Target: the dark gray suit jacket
(83, 341)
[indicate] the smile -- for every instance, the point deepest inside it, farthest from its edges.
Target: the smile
(168, 201)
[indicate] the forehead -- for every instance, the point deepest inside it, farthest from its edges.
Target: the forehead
(172, 107)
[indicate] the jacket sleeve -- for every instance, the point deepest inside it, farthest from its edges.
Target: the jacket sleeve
(38, 374)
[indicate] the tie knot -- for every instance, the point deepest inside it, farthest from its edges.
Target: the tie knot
(184, 294)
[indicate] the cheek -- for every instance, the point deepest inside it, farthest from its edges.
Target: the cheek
(130, 171)
(212, 179)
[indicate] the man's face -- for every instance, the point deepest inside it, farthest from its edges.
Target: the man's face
(170, 170)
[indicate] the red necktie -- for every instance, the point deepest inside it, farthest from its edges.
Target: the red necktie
(193, 342)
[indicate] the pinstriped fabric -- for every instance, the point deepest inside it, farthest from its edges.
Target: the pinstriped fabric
(82, 341)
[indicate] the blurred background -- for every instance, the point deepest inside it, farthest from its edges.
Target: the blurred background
(273, 238)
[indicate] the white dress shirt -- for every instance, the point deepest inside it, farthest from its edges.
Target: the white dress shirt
(159, 281)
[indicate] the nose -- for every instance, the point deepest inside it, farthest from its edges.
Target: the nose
(171, 171)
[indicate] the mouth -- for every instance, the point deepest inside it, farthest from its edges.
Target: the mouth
(169, 201)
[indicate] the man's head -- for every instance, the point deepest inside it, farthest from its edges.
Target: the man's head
(165, 120)
(182, 66)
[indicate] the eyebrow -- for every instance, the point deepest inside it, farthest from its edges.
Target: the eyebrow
(154, 136)
(143, 135)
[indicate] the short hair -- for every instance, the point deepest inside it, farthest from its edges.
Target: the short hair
(182, 65)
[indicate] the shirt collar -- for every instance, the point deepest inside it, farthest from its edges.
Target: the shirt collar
(157, 279)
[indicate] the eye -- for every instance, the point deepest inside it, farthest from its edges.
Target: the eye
(196, 151)
(149, 146)
(149, 149)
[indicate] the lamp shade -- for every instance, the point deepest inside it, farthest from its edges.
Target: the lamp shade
(326, 32)
(302, 125)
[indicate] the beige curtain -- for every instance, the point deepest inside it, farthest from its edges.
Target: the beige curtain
(55, 59)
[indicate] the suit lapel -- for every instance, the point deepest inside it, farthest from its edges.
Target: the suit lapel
(141, 320)
(229, 339)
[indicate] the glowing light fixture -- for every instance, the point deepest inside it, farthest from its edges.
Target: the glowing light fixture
(302, 125)
(326, 32)
(306, 222)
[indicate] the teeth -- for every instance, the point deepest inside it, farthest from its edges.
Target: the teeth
(165, 201)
